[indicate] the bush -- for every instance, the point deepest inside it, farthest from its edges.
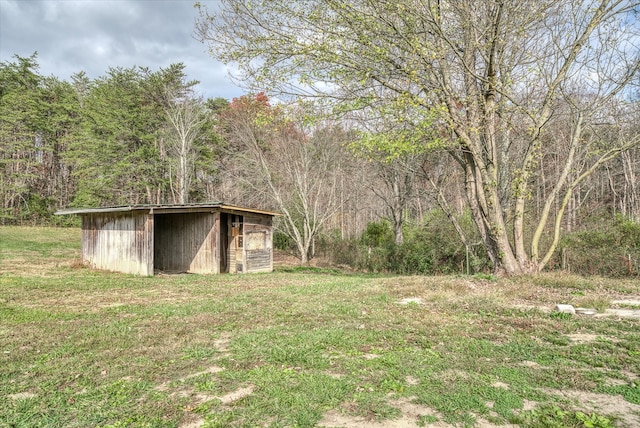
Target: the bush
(432, 247)
(377, 234)
(607, 248)
(282, 241)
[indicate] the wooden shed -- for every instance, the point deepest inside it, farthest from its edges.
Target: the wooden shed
(197, 238)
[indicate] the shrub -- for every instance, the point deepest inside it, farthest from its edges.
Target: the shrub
(432, 247)
(282, 241)
(607, 248)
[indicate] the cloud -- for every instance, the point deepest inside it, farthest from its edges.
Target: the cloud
(94, 35)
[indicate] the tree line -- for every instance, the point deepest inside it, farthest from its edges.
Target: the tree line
(451, 137)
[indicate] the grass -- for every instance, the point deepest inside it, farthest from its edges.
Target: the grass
(87, 348)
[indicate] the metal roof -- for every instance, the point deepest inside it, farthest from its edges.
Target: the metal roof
(166, 209)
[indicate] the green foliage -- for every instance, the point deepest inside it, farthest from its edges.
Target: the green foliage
(630, 392)
(283, 242)
(377, 234)
(117, 148)
(37, 115)
(91, 142)
(432, 247)
(603, 246)
(551, 416)
(561, 315)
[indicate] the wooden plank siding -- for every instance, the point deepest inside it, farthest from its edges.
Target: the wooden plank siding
(207, 239)
(258, 245)
(118, 242)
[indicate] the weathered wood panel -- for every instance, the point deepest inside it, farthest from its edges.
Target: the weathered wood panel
(258, 238)
(185, 242)
(118, 242)
(139, 240)
(216, 242)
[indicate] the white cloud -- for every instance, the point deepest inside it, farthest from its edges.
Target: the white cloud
(94, 35)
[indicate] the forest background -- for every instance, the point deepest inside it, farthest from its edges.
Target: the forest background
(394, 181)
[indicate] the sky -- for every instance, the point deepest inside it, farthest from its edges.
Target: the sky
(94, 35)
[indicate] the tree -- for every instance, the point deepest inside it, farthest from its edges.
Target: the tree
(396, 157)
(37, 116)
(20, 121)
(498, 73)
(124, 153)
(186, 115)
(294, 169)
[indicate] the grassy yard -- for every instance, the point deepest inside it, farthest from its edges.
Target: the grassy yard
(304, 348)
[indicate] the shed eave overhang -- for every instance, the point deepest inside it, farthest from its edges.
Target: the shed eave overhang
(166, 209)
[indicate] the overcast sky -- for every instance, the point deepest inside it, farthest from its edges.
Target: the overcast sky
(93, 35)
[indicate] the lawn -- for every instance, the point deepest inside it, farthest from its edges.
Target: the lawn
(305, 347)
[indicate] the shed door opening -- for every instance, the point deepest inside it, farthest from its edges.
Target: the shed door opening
(224, 243)
(183, 242)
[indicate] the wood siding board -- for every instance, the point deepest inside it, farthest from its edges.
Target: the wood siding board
(215, 238)
(202, 243)
(185, 242)
(259, 243)
(112, 241)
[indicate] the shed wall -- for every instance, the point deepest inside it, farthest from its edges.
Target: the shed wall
(120, 242)
(186, 242)
(258, 243)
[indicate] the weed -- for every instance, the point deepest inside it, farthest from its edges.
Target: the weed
(600, 303)
(561, 315)
(551, 416)
(630, 392)
(426, 419)
(485, 277)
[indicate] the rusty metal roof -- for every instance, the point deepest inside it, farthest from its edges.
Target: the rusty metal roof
(167, 209)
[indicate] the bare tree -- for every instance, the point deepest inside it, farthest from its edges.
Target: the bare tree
(186, 116)
(293, 167)
(497, 72)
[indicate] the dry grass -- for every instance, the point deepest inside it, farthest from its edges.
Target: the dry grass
(86, 348)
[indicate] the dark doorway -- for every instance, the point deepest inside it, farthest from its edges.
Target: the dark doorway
(224, 243)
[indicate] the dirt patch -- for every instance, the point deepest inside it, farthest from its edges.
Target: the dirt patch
(482, 423)
(630, 301)
(164, 387)
(411, 414)
(408, 300)
(412, 380)
(582, 338)
(22, 396)
(370, 356)
(500, 385)
(192, 421)
(236, 395)
(212, 369)
(221, 344)
(621, 313)
(628, 414)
